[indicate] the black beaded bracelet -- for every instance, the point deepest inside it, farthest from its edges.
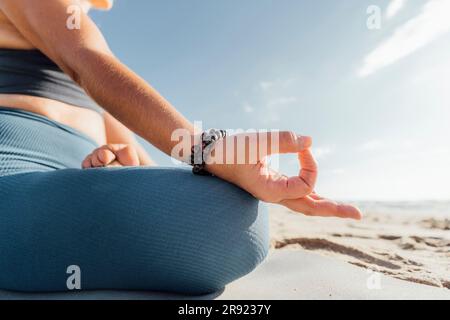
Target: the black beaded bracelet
(199, 151)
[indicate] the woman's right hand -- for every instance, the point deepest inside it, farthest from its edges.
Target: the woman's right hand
(257, 178)
(112, 155)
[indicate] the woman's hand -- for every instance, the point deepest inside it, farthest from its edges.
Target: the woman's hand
(296, 193)
(112, 155)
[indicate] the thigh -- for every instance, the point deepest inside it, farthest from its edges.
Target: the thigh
(127, 228)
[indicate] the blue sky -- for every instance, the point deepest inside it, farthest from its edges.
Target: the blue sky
(376, 101)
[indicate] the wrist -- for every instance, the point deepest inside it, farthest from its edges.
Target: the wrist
(201, 152)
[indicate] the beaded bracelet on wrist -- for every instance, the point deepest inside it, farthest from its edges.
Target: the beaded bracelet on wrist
(200, 151)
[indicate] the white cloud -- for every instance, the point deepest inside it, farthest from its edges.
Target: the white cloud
(266, 85)
(276, 84)
(394, 7)
(280, 101)
(321, 152)
(430, 24)
(273, 98)
(408, 144)
(440, 151)
(247, 107)
(273, 108)
(372, 145)
(338, 171)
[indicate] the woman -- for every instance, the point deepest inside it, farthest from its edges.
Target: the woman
(132, 226)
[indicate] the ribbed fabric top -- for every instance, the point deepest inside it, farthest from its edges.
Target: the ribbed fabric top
(30, 72)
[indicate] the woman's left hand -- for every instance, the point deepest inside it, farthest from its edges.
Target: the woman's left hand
(266, 184)
(112, 155)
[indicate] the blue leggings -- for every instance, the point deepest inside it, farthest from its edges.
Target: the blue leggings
(136, 228)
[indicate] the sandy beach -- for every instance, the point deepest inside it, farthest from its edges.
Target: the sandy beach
(402, 241)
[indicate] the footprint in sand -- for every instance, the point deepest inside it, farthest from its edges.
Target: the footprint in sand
(434, 242)
(323, 244)
(387, 263)
(432, 223)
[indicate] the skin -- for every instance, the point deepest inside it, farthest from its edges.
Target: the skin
(132, 105)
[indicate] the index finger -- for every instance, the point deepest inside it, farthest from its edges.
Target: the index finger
(322, 208)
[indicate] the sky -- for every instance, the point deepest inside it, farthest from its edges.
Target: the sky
(375, 97)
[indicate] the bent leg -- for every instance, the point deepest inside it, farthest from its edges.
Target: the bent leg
(156, 229)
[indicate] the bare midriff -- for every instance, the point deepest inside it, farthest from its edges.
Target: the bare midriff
(87, 121)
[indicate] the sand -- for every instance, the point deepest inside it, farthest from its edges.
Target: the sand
(410, 247)
(289, 274)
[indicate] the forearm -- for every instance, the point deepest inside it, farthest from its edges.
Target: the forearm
(129, 98)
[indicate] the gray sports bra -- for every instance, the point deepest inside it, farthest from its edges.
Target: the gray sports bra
(30, 72)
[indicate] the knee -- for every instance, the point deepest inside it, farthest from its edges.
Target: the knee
(253, 240)
(239, 242)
